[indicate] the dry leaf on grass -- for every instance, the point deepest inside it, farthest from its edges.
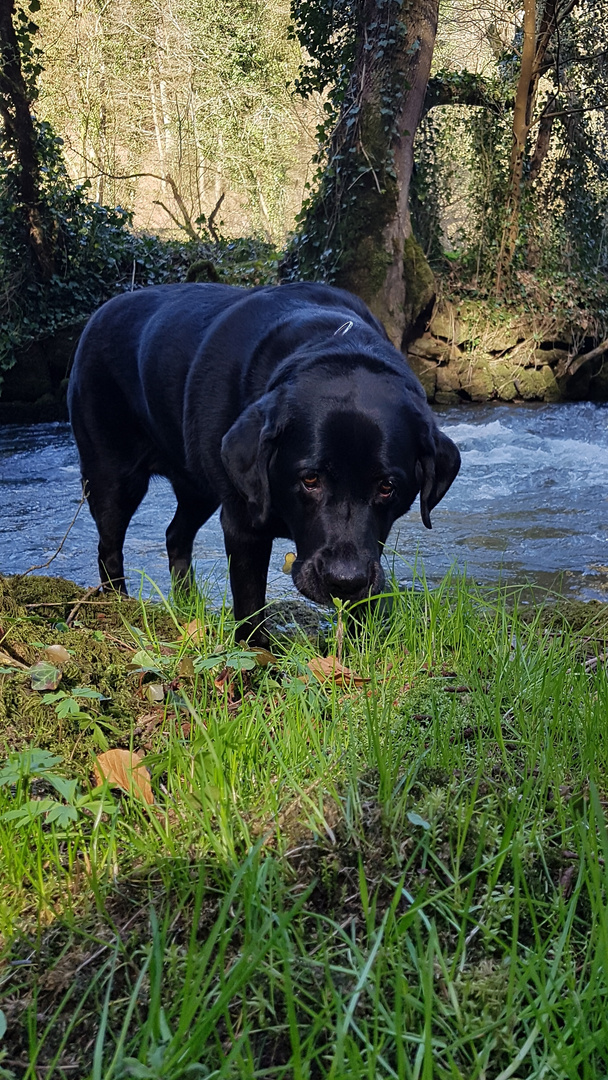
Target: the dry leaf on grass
(224, 683)
(195, 632)
(122, 768)
(263, 657)
(328, 667)
(185, 668)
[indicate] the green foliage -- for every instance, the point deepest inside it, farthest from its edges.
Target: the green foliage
(97, 254)
(406, 879)
(461, 183)
(36, 769)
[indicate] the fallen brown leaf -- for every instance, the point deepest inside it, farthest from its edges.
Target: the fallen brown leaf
(122, 768)
(224, 683)
(195, 632)
(325, 668)
(263, 657)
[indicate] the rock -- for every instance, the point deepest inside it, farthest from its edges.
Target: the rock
(530, 383)
(448, 379)
(502, 378)
(501, 339)
(553, 357)
(447, 397)
(445, 324)
(429, 348)
(552, 390)
(427, 373)
(476, 378)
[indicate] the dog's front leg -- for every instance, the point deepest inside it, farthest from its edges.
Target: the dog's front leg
(248, 557)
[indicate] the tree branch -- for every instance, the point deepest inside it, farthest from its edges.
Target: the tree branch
(576, 363)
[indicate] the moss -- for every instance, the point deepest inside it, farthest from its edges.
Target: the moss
(203, 270)
(551, 391)
(33, 613)
(476, 378)
(530, 383)
(419, 281)
(502, 378)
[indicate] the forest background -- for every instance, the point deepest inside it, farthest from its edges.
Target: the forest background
(169, 133)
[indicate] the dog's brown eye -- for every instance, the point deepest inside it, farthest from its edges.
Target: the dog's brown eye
(310, 481)
(385, 489)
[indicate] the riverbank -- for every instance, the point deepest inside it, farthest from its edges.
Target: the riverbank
(399, 870)
(468, 353)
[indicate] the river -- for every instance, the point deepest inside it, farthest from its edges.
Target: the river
(530, 505)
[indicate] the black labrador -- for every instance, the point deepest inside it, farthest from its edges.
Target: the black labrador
(286, 405)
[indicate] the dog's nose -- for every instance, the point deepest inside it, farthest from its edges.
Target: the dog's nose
(347, 580)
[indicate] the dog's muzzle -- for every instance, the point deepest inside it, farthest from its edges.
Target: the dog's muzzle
(326, 576)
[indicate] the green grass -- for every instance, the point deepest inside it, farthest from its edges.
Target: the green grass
(406, 879)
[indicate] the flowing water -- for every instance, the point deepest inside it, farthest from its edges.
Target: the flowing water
(530, 505)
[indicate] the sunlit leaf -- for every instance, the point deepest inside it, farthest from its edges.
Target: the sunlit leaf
(122, 768)
(195, 632)
(325, 668)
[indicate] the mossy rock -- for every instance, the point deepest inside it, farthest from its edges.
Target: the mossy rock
(502, 378)
(447, 397)
(531, 384)
(552, 390)
(553, 357)
(445, 324)
(429, 348)
(476, 378)
(419, 282)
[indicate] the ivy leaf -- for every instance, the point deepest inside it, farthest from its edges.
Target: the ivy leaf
(45, 676)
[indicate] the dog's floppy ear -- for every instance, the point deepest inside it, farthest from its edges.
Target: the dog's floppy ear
(246, 451)
(435, 472)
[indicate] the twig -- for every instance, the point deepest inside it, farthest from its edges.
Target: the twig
(62, 603)
(90, 592)
(44, 565)
(339, 636)
(212, 217)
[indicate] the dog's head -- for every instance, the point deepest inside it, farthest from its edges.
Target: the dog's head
(331, 459)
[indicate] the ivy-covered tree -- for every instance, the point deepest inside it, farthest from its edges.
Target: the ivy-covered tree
(373, 59)
(18, 91)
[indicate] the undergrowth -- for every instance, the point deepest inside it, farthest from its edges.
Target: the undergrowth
(399, 875)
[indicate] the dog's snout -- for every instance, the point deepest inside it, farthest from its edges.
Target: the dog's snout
(347, 579)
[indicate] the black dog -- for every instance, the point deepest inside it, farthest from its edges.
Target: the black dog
(285, 404)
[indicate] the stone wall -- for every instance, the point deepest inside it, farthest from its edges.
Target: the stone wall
(464, 357)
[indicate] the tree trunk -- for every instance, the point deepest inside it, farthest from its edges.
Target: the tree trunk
(536, 42)
(356, 232)
(20, 135)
